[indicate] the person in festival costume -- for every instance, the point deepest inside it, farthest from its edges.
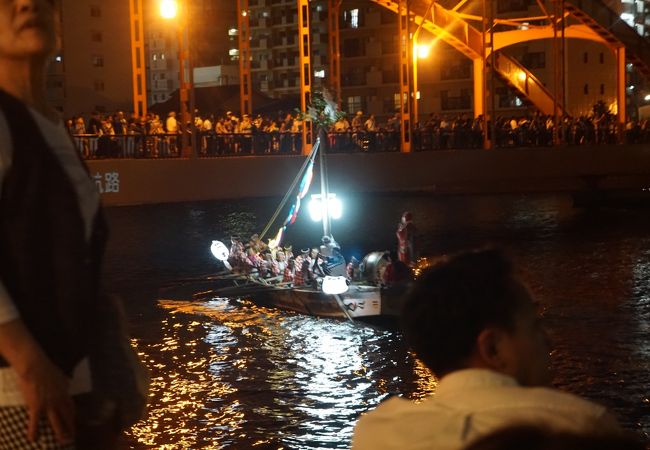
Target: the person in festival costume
(302, 261)
(352, 268)
(289, 271)
(54, 313)
(253, 261)
(304, 255)
(237, 256)
(257, 244)
(406, 239)
(280, 261)
(271, 264)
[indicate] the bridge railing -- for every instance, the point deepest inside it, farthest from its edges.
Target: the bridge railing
(212, 145)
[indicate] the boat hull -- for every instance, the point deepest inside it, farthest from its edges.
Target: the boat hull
(358, 301)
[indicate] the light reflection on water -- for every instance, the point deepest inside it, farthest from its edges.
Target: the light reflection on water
(233, 375)
(241, 370)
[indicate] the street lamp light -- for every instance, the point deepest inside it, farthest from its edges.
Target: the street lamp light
(170, 10)
(420, 51)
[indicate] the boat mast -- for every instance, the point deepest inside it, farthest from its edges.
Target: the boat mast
(324, 185)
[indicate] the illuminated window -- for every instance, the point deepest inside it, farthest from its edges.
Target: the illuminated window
(354, 104)
(351, 18)
(154, 57)
(354, 18)
(98, 60)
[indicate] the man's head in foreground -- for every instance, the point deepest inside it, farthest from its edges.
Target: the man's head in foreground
(472, 311)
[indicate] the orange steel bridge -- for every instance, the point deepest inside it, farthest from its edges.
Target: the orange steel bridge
(472, 28)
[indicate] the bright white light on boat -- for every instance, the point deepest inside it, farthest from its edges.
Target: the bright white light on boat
(219, 250)
(317, 210)
(334, 285)
(336, 208)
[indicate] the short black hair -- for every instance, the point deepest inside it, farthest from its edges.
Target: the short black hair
(452, 302)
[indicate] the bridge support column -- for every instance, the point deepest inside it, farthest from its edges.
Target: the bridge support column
(620, 92)
(304, 63)
(245, 84)
(404, 76)
(479, 87)
(137, 58)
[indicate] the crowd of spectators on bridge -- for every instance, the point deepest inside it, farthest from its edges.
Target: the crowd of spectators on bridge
(119, 135)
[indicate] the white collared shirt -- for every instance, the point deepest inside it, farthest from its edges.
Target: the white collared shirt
(471, 403)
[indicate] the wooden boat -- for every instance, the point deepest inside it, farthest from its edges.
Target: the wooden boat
(359, 299)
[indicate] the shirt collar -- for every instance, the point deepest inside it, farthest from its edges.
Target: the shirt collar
(461, 380)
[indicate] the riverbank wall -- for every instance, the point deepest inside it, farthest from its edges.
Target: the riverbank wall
(563, 169)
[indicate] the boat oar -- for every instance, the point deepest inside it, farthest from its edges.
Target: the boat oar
(344, 308)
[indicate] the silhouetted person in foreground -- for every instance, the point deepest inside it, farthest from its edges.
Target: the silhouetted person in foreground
(474, 324)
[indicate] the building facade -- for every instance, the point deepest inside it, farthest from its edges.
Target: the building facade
(445, 78)
(210, 26)
(274, 46)
(92, 72)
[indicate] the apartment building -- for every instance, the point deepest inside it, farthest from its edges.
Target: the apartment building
(370, 66)
(210, 26)
(92, 72)
(274, 46)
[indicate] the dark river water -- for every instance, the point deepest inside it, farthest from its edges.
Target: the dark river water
(228, 374)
